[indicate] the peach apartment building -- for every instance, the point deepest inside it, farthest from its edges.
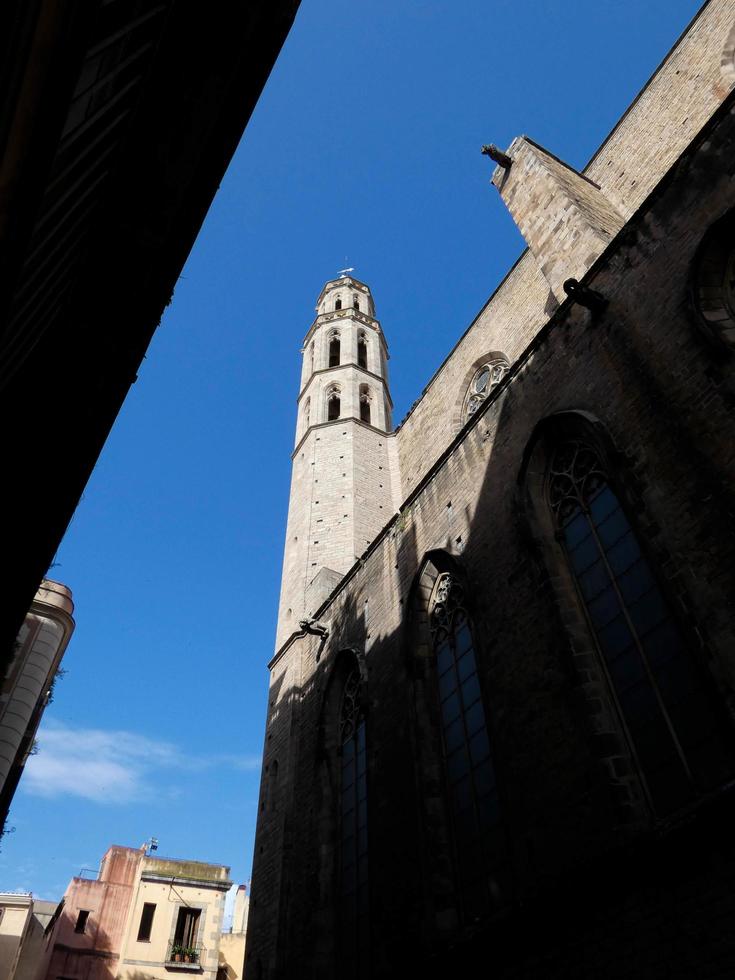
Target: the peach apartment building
(140, 917)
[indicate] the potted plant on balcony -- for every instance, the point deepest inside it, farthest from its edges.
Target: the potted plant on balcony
(176, 952)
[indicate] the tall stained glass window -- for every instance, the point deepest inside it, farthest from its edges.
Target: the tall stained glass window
(354, 897)
(473, 794)
(658, 688)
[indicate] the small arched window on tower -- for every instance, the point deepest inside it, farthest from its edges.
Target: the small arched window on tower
(356, 302)
(307, 413)
(362, 350)
(334, 349)
(333, 403)
(311, 357)
(365, 404)
(338, 303)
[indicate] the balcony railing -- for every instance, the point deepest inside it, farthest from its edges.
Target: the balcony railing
(91, 874)
(184, 956)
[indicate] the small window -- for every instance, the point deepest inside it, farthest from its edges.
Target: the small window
(338, 303)
(81, 925)
(334, 351)
(485, 379)
(362, 351)
(146, 922)
(356, 302)
(365, 404)
(333, 406)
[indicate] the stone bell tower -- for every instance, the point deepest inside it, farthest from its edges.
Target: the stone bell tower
(342, 493)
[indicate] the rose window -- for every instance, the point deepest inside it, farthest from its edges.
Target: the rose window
(486, 378)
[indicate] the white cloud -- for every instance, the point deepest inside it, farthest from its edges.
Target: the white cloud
(111, 766)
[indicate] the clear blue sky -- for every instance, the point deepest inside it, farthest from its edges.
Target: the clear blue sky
(364, 150)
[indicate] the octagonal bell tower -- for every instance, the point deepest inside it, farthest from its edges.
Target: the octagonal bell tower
(342, 493)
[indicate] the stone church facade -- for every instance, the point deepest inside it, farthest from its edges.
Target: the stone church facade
(501, 725)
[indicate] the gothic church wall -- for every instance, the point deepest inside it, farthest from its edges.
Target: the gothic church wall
(600, 887)
(670, 110)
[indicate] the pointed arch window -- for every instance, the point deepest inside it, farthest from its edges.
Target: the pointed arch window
(356, 302)
(333, 404)
(353, 824)
(364, 404)
(714, 282)
(656, 685)
(473, 794)
(338, 303)
(362, 351)
(311, 357)
(307, 413)
(334, 349)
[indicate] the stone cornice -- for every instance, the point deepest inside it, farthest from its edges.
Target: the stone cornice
(342, 421)
(342, 281)
(186, 880)
(347, 364)
(348, 314)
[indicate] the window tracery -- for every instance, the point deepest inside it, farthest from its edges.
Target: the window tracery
(334, 403)
(365, 400)
(487, 377)
(714, 282)
(361, 350)
(334, 348)
(473, 794)
(658, 690)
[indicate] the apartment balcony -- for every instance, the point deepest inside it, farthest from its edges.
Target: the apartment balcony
(185, 958)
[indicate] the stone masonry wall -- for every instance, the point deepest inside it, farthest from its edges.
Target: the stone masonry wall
(565, 219)
(341, 497)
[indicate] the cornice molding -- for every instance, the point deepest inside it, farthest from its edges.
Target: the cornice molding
(338, 367)
(342, 421)
(348, 314)
(347, 281)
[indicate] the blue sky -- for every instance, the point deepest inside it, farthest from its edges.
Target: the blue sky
(364, 150)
